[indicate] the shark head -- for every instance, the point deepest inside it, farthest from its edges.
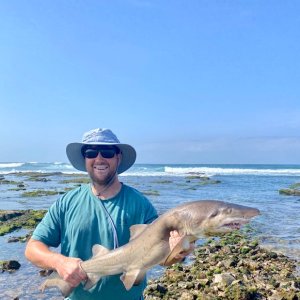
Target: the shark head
(211, 217)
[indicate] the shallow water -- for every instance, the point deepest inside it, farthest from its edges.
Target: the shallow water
(278, 226)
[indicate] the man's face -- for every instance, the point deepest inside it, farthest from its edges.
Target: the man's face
(101, 163)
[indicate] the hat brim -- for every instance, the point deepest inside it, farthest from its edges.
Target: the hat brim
(75, 157)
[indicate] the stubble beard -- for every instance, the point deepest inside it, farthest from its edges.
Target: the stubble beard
(103, 181)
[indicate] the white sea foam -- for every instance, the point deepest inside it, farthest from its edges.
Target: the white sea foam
(11, 165)
(143, 173)
(230, 171)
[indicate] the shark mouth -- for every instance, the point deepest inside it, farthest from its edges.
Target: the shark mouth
(235, 224)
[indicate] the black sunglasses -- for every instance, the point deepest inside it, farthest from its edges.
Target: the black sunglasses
(92, 152)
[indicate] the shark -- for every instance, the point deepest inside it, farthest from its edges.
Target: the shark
(149, 243)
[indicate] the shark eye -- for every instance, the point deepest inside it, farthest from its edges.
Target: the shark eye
(214, 214)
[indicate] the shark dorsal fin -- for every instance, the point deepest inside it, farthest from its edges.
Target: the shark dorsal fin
(99, 250)
(131, 277)
(136, 230)
(182, 245)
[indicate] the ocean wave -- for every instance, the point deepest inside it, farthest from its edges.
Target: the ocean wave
(11, 165)
(162, 170)
(211, 171)
(144, 173)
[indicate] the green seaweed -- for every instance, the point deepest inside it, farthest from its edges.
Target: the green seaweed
(81, 180)
(4, 229)
(151, 193)
(38, 193)
(5, 181)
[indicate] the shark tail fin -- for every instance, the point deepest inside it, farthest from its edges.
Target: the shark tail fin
(132, 277)
(55, 281)
(93, 278)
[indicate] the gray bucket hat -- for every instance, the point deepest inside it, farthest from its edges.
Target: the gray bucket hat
(100, 136)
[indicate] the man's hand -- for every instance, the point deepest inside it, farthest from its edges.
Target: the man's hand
(174, 239)
(69, 269)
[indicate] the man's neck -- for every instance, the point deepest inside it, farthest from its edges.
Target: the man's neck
(107, 191)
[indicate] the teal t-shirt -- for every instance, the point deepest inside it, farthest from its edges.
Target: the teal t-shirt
(78, 220)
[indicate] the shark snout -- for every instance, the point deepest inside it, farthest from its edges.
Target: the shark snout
(252, 212)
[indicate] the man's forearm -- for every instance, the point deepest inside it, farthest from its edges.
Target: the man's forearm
(40, 255)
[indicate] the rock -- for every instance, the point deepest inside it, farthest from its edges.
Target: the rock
(224, 279)
(10, 220)
(9, 214)
(186, 296)
(290, 192)
(13, 240)
(10, 265)
(21, 239)
(273, 255)
(221, 271)
(185, 285)
(232, 262)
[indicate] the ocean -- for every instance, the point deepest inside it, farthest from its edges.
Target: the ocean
(166, 185)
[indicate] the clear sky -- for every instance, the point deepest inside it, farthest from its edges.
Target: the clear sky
(198, 81)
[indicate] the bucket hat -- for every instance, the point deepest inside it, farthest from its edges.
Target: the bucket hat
(100, 136)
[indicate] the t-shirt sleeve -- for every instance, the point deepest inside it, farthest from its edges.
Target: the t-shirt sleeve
(150, 213)
(48, 230)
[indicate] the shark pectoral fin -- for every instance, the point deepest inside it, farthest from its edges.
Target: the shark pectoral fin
(140, 278)
(99, 250)
(136, 230)
(129, 278)
(55, 281)
(182, 245)
(93, 278)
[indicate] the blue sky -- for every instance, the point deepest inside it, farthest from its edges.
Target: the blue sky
(183, 81)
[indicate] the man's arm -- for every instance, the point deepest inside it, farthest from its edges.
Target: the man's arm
(68, 268)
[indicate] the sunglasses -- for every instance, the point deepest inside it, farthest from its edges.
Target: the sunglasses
(105, 152)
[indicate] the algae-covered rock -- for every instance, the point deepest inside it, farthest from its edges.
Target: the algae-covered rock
(12, 182)
(290, 192)
(38, 193)
(77, 180)
(13, 220)
(151, 193)
(9, 214)
(9, 265)
(232, 267)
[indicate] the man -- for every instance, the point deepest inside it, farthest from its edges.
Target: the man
(97, 213)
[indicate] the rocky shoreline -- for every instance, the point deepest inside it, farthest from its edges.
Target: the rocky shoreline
(233, 267)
